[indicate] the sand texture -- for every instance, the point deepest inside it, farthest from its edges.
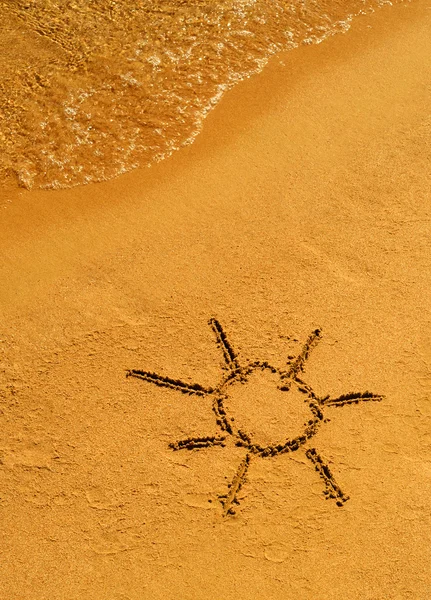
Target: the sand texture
(215, 373)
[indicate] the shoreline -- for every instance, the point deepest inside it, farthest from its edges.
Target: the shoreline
(248, 112)
(108, 118)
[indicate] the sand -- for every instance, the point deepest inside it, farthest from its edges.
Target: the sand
(290, 243)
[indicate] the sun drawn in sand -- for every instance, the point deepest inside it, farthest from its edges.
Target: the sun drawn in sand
(226, 398)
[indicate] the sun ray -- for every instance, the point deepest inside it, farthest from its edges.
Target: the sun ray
(174, 384)
(297, 366)
(332, 489)
(231, 498)
(229, 354)
(198, 443)
(352, 398)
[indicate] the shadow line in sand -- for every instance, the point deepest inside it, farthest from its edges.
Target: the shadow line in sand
(289, 378)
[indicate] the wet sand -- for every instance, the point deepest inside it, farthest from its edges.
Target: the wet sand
(302, 207)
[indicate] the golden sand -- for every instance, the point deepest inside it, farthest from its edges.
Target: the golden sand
(288, 246)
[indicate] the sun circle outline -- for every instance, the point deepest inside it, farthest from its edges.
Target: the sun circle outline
(244, 438)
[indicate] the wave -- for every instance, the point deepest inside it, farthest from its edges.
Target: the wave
(93, 89)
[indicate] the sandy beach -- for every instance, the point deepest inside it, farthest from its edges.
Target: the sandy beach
(215, 372)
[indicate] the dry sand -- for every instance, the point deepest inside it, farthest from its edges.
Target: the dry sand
(303, 205)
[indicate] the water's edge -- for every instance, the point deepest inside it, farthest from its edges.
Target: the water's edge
(89, 93)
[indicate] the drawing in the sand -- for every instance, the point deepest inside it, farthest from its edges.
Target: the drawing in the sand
(289, 379)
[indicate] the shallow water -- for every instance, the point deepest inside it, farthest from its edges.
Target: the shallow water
(93, 89)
